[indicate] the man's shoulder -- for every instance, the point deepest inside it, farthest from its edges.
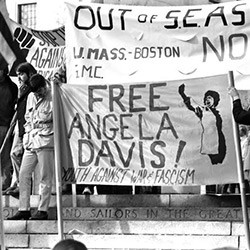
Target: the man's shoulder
(31, 97)
(9, 84)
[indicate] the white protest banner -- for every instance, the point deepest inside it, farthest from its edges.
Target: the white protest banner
(151, 133)
(48, 52)
(118, 43)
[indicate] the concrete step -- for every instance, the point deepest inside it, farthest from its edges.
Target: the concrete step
(138, 200)
(153, 242)
(139, 207)
(153, 222)
(124, 227)
(141, 213)
(127, 234)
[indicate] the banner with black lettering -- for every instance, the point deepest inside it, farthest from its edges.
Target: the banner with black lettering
(150, 133)
(119, 43)
(45, 50)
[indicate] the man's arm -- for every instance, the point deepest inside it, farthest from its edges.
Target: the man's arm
(241, 115)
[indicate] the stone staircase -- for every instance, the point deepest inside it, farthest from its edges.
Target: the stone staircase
(105, 222)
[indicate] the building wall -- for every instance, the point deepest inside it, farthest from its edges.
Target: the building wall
(49, 13)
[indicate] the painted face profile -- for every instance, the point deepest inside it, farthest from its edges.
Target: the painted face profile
(209, 101)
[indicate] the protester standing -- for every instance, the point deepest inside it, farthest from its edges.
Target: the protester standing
(8, 98)
(24, 71)
(241, 116)
(245, 150)
(38, 142)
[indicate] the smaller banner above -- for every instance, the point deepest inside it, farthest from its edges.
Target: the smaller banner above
(118, 43)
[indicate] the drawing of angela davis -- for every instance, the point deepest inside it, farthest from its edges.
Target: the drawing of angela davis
(212, 144)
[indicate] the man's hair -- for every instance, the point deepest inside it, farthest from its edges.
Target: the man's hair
(69, 244)
(26, 68)
(37, 81)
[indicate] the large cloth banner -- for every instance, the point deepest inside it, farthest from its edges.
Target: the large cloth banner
(118, 43)
(146, 101)
(150, 133)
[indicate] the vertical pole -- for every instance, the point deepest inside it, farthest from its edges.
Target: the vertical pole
(2, 245)
(74, 199)
(240, 170)
(6, 138)
(57, 161)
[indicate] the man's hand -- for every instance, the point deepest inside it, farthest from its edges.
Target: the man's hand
(233, 92)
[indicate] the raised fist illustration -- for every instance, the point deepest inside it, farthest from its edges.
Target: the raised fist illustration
(24, 39)
(181, 89)
(23, 42)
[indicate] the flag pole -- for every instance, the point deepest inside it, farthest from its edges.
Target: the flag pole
(57, 161)
(240, 169)
(7, 136)
(2, 246)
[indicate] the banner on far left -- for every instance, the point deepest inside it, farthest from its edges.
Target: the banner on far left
(43, 49)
